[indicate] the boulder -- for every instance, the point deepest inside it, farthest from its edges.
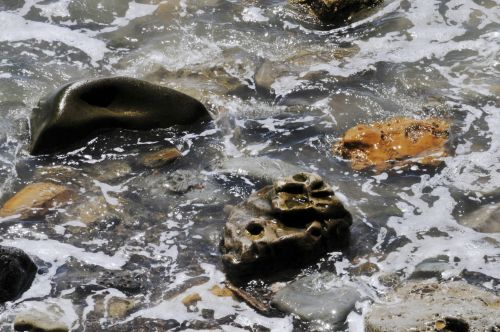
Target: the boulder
(17, 272)
(321, 298)
(429, 306)
(289, 223)
(160, 158)
(36, 200)
(79, 109)
(50, 318)
(395, 142)
(336, 10)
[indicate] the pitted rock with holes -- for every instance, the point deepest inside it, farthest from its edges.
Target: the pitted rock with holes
(292, 222)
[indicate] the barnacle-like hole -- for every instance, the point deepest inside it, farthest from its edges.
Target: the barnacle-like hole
(300, 177)
(255, 229)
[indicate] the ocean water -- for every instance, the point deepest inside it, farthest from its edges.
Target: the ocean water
(278, 84)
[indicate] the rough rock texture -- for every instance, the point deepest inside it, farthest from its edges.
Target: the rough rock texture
(337, 10)
(395, 142)
(323, 298)
(289, 223)
(78, 109)
(419, 306)
(17, 272)
(36, 199)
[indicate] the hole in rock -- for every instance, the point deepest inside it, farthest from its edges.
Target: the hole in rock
(255, 229)
(456, 325)
(100, 97)
(316, 232)
(300, 178)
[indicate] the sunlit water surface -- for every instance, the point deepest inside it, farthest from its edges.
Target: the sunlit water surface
(279, 85)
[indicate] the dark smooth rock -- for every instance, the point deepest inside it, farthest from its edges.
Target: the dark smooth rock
(17, 272)
(337, 10)
(79, 109)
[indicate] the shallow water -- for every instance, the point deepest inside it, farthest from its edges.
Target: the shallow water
(279, 85)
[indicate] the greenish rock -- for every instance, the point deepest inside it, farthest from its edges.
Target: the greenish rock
(17, 272)
(321, 298)
(298, 216)
(80, 109)
(429, 306)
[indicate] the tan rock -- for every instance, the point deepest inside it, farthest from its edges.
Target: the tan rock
(46, 321)
(36, 199)
(160, 158)
(396, 142)
(119, 307)
(191, 299)
(221, 292)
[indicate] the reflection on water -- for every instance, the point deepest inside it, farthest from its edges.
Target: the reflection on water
(279, 85)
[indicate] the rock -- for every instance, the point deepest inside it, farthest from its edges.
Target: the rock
(160, 158)
(427, 306)
(48, 320)
(78, 109)
(141, 324)
(431, 268)
(322, 298)
(119, 307)
(94, 208)
(191, 299)
(258, 168)
(36, 200)
(17, 272)
(337, 10)
(111, 171)
(395, 142)
(298, 216)
(221, 292)
(484, 220)
(183, 181)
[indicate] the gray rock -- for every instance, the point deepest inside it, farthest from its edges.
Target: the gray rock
(17, 272)
(322, 298)
(485, 219)
(78, 109)
(427, 306)
(48, 320)
(431, 267)
(259, 168)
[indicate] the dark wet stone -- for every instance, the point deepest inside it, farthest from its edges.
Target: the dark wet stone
(292, 222)
(337, 10)
(128, 282)
(484, 219)
(427, 306)
(322, 298)
(145, 325)
(79, 109)
(17, 272)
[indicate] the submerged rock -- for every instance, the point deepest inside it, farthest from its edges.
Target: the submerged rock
(36, 200)
(321, 298)
(396, 142)
(79, 109)
(48, 320)
(336, 10)
(289, 223)
(160, 158)
(17, 272)
(421, 306)
(485, 219)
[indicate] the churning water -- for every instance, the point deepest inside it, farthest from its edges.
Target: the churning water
(279, 85)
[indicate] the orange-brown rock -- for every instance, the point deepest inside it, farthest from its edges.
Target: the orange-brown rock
(36, 199)
(396, 142)
(160, 158)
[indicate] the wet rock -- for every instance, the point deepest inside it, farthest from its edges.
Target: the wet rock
(160, 158)
(92, 209)
(221, 292)
(336, 10)
(78, 109)
(119, 307)
(484, 220)
(145, 325)
(183, 181)
(111, 171)
(431, 267)
(259, 168)
(297, 217)
(427, 306)
(396, 142)
(17, 272)
(36, 200)
(191, 299)
(322, 298)
(128, 282)
(48, 320)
